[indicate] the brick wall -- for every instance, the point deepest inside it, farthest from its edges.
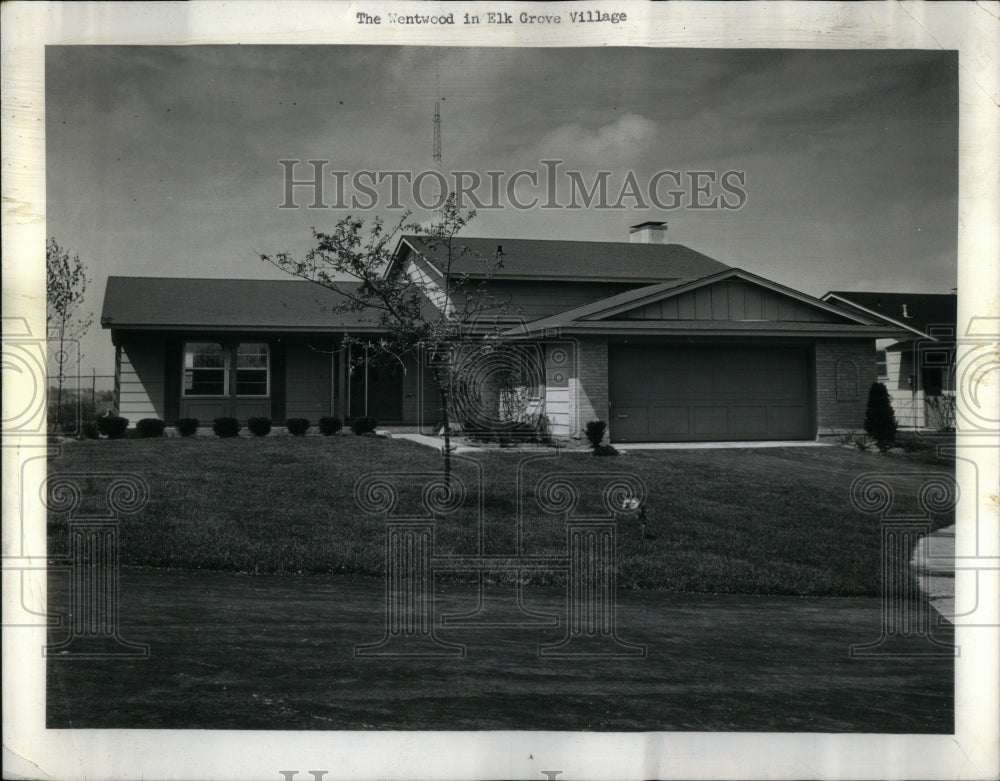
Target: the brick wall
(845, 370)
(589, 385)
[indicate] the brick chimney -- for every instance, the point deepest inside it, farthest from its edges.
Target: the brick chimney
(648, 233)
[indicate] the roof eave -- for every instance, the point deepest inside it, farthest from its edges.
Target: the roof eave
(732, 328)
(879, 315)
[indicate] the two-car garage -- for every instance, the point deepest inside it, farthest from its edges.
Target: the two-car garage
(709, 392)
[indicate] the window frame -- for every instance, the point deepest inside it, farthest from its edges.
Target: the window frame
(266, 369)
(230, 370)
(846, 380)
(224, 369)
(882, 373)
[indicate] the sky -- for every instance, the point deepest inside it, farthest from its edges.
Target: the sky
(163, 161)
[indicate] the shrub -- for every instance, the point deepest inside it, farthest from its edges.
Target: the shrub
(112, 426)
(89, 430)
(364, 426)
(297, 427)
(226, 427)
(76, 405)
(543, 429)
(329, 426)
(187, 427)
(595, 432)
(880, 420)
(148, 428)
(259, 427)
(912, 442)
(605, 450)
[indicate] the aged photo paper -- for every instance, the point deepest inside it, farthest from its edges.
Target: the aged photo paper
(501, 390)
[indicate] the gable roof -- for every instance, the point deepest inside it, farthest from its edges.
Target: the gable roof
(598, 317)
(272, 304)
(543, 259)
(925, 314)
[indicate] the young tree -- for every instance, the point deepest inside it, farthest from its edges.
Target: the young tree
(438, 322)
(65, 290)
(880, 420)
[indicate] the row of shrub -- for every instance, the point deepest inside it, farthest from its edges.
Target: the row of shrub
(114, 427)
(261, 427)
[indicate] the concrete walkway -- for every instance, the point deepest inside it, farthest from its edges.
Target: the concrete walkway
(716, 445)
(933, 561)
(435, 442)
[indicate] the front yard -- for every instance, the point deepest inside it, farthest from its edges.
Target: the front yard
(750, 521)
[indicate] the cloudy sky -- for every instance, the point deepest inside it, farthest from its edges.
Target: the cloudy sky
(164, 160)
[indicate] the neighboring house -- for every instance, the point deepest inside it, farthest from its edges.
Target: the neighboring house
(664, 343)
(918, 368)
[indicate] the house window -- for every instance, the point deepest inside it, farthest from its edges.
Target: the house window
(847, 380)
(880, 364)
(251, 369)
(205, 369)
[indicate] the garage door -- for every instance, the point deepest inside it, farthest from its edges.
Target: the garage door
(706, 393)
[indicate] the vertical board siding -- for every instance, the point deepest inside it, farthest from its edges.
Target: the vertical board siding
(421, 398)
(733, 300)
(308, 379)
(753, 303)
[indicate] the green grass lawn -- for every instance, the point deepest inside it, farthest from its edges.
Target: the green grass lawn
(752, 521)
(276, 652)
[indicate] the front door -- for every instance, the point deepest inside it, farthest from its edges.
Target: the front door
(377, 393)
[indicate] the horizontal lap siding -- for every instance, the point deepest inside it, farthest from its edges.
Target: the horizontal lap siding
(307, 387)
(560, 374)
(141, 375)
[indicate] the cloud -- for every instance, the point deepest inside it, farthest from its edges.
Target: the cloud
(622, 141)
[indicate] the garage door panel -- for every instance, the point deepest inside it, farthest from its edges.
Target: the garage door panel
(711, 422)
(672, 421)
(749, 422)
(785, 421)
(632, 422)
(685, 393)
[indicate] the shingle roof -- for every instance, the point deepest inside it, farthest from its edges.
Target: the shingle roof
(172, 302)
(557, 259)
(924, 311)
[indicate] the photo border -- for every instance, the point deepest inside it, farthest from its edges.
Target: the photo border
(31, 751)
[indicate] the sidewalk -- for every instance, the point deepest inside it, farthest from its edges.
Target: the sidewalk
(937, 580)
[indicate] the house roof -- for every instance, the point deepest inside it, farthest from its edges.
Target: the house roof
(181, 302)
(578, 260)
(595, 317)
(926, 314)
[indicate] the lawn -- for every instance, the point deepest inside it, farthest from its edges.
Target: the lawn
(750, 521)
(230, 651)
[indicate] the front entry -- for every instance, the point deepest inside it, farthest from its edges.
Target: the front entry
(378, 392)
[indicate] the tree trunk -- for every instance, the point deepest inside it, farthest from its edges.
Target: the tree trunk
(447, 433)
(61, 360)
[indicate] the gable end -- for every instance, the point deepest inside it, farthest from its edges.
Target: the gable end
(736, 300)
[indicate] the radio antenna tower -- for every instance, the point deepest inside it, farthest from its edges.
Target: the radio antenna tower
(437, 113)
